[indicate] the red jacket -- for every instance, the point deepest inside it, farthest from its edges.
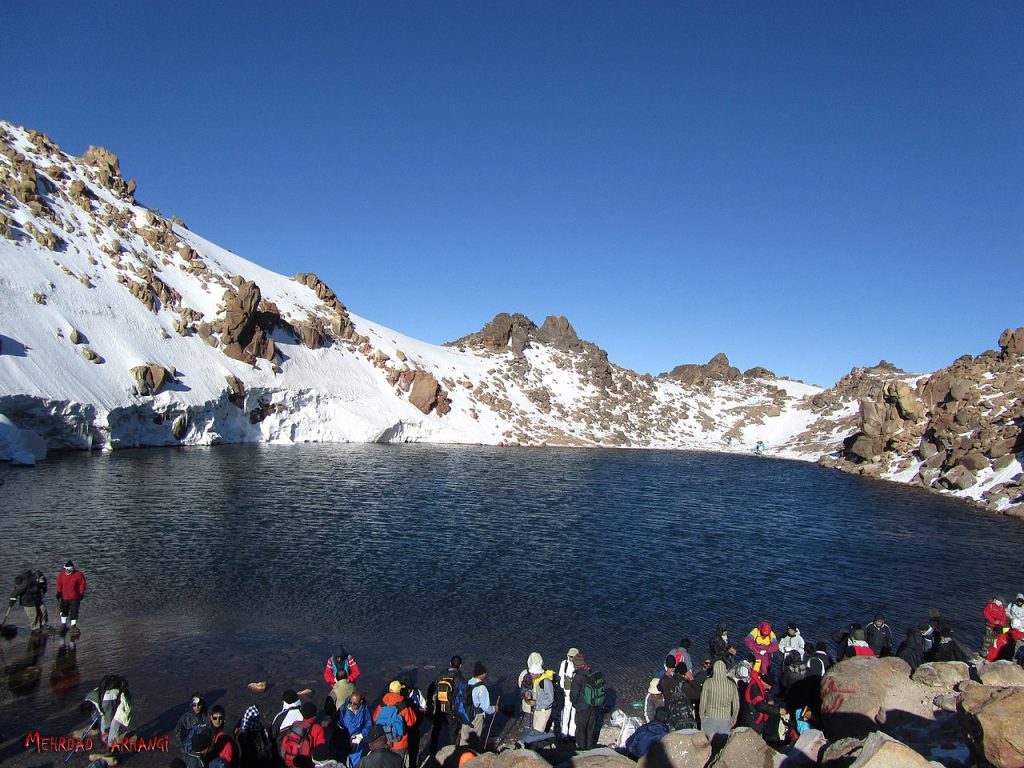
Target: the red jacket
(71, 586)
(995, 614)
(350, 663)
(223, 747)
(408, 715)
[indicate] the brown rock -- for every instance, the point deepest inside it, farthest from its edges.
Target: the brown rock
(882, 751)
(425, 390)
(975, 461)
(679, 749)
(598, 758)
(1012, 342)
(857, 693)
(991, 718)
(841, 753)
(744, 749)
(1003, 462)
(808, 749)
(237, 394)
(959, 478)
(1003, 673)
(942, 674)
(520, 758)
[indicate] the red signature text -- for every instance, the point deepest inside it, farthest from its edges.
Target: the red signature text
(41, 743)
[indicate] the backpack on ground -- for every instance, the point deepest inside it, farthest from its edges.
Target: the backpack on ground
(389, 717)
(297, 741)
(465, 707)
(446, 691)
(595, 690)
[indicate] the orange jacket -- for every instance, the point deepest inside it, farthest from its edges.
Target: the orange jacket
(407, 712)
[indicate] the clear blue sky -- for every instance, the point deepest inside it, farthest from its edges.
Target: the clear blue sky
(806, 186)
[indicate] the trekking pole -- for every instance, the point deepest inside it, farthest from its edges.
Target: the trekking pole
(491, 725)
(87, 730)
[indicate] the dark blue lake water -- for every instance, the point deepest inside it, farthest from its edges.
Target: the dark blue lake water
(211, 568)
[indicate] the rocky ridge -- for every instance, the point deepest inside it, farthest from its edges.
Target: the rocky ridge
(125, 328)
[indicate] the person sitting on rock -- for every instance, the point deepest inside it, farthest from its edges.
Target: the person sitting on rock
(949, 649)
(857, 645)
(762, 643)
(911, 650)
(879, 637)
(757, 710)
(720, 647)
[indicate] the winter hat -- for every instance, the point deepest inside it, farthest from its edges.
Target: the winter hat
(197, 699)
(342, 653)
(820, 647)
(479, 669)
(377, 736)
(395, 687)
(70, 565)
(794, 627)
(653, 687)
(307, 710)
(573, 652)
(289, 696)
(1020, 596)
(764, 628)
(456, 661)
(535, 663)
(670, 662)
(578, 660)
(878, 617)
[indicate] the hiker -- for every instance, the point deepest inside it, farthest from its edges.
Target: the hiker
(949, 649)
(819, 661)
(911, 650)
(341, 660)
(654, 699)
(29, 588)
(442, 698)
(70, 591)
(566, 670)
(191, 721)
(928, 641)
(255, 747)
(297, 741)
(112, 707)
(538, 691)
(687, 684)
(668, 682)
(475, 703)
(648, 734)
(879, 637)
(1015, 614)
(289, 714)
(585, 712)
(682, 652)
(681, 698)
(340, 693)
(793, 641)
(396, 717)
(355, 719)
(856, 645)
(223, 747)
(995, 619)
(757, 710)
(377, 754)
(720, 647)
(416, 702)
(719, 702)
(762, 643)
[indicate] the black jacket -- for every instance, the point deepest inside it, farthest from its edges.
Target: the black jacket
(879, 638)
(579, 680)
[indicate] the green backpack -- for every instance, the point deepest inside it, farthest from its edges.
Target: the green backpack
(595, 689)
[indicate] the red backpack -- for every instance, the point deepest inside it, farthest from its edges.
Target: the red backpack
(296, 741)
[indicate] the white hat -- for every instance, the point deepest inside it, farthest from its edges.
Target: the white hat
(535, 663)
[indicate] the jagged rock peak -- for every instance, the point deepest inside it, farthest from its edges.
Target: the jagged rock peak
(717, 368)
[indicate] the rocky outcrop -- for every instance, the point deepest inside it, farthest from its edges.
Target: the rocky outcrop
(1011, 343)
(504, 332)
(427, 395)
(679, 749)
(108, 171)
(1001, 673)
(716, 369)
(150, 378)
(942, 674)
(245, 332)
(859, 693)
(744, 749)
(991, 718)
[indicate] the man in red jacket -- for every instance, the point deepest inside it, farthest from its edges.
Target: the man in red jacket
(995, 620)
(70, 591)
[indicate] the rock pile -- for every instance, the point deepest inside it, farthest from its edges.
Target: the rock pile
(716, 369)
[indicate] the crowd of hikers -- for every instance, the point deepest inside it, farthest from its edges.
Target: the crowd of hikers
(769, 681)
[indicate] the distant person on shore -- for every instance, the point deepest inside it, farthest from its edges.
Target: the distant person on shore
(378, 755)
(475, 705)
(341, 660)
(1015, 615)
(539, 691)
(442, 698)
(585, 714)
(654, 699)
(29, 589)
(995, 619)
(879, 637)
(566, 670)
(762, 643)
(857, 645)
(289, 714)
(355, 719)
(949, 649)
(668, 682)
(757, 710)
(792, 641)
(417, 702)
(929, 640)
(682, 699)
(719, 702)
(682, 652)
(223, 747)
(819, 661)
(194, 719)
(720, 646)
(70, 591)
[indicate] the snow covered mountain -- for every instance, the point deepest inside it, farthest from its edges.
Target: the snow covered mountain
(120, 327)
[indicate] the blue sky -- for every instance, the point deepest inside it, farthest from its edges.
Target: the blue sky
(806, 186)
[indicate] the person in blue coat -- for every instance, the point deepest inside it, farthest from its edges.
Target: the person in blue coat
(648, 734)
(354, 717)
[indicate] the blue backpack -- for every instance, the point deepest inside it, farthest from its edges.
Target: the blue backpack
(389, 717)
(465, 707)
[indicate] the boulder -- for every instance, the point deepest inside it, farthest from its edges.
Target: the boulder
(744, 749)
(1012, 342)
(679, 749)
(942, 674)
(240, 315)
(858, 693)
(959, 389)
(558, 332)
(807, 750)
(179, 426)
(425, 391)
(150, 378)
(882, 751)
(1004, 673)
(959, 478)
(601, 757)
(519, 758)
(841, 753)
(1003, 462)
(991, 718)
(483, 760)
(975, 461)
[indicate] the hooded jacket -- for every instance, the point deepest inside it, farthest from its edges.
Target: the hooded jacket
(719, 698)
(407, 713)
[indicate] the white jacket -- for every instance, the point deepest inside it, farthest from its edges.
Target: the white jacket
(1015, 613)
(794, 643)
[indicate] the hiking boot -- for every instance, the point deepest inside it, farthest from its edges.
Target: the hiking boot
(75, 631)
